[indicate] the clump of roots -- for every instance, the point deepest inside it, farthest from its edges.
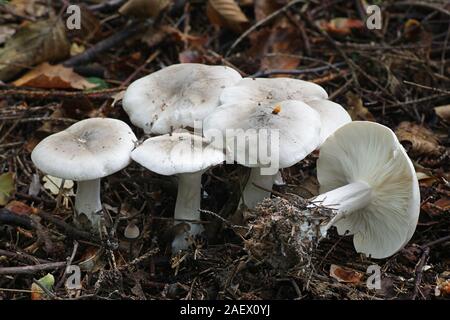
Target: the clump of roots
(285, 232)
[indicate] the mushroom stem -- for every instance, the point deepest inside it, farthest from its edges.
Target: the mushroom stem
(87, 201)
(344, 200)
(187, 206)
(252, 194)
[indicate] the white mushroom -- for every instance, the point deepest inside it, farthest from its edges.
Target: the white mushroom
(366, 175)
(187, 156)
(176, 96)
(269, 91)
(86, 152)
(265, 138)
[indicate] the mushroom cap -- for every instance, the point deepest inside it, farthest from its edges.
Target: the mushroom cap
(370, 152)
(177, 153)
(332, 115)
(176, 96)
(87, 150)
(297, 125)
(268, 91)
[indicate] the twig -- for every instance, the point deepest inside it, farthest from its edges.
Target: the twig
(106, 44)
(69, 262)
(32, 269)
(260, 23)
(298, 71)
(57, 94)
(437, 241)
(419, 271)
(426, 87)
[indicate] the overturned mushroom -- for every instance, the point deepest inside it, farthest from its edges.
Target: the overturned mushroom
(176, 96)
(368, 179)
(86, 152)
(265, 138)
(187, 156)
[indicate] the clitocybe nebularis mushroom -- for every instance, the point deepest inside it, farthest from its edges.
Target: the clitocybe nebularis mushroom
(367, 177)
(187, 156)
(268, 91)
(86, 152)
(289, 130)
(176, 96)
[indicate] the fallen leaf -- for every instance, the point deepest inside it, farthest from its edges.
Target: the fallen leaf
(226, 13)
(53, 77)
(5, 33)
(418, 139)
(356, 108)
(443, 112)
(20, 208)
(340, 26)
(76, 49)
(263, 8)
(276, 47)
(35, 43)
(47, 282)
(345, 275)
(33, 8)
(6, 187)
(144, 8)
(443, 285)
(53, 184)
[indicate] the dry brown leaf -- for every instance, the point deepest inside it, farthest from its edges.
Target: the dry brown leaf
(340, 26)
(53, 77)
(356, 108)
(346, 275)
(43, 41)
(443, 112)
(265, 7)
(32, 8)
(276, 47)
(226, 13)
(144, 8)
(20, 208)
(443, 284)
(422, 141)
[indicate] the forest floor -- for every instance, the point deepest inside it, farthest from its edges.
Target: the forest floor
(398, 76)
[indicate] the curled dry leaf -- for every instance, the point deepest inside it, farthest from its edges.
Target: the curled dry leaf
(53, 184)
(356, 108)
(53, 77)
(443, 285)
(20, 208)
(47, 282)
(340, 26)
(226, 13)
(443, 112)
(345, 275)
(144, 8)
(421, 140)
(32, 44)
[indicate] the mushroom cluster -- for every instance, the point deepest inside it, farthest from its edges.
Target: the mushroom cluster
(197, 116)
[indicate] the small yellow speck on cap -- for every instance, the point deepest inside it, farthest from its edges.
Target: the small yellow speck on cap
(276, 109)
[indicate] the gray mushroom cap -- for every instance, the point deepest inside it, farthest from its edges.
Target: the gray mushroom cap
(177, 153)
(87, 150)
(269, 91)
(296, 124)
(176, 96)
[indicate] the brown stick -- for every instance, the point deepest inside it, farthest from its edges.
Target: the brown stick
(32, 269)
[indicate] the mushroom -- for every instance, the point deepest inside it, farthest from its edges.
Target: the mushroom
(288, 130)
(187, 156)
(86, 152)
(268, 91)
(367, 177)
(176, 96)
